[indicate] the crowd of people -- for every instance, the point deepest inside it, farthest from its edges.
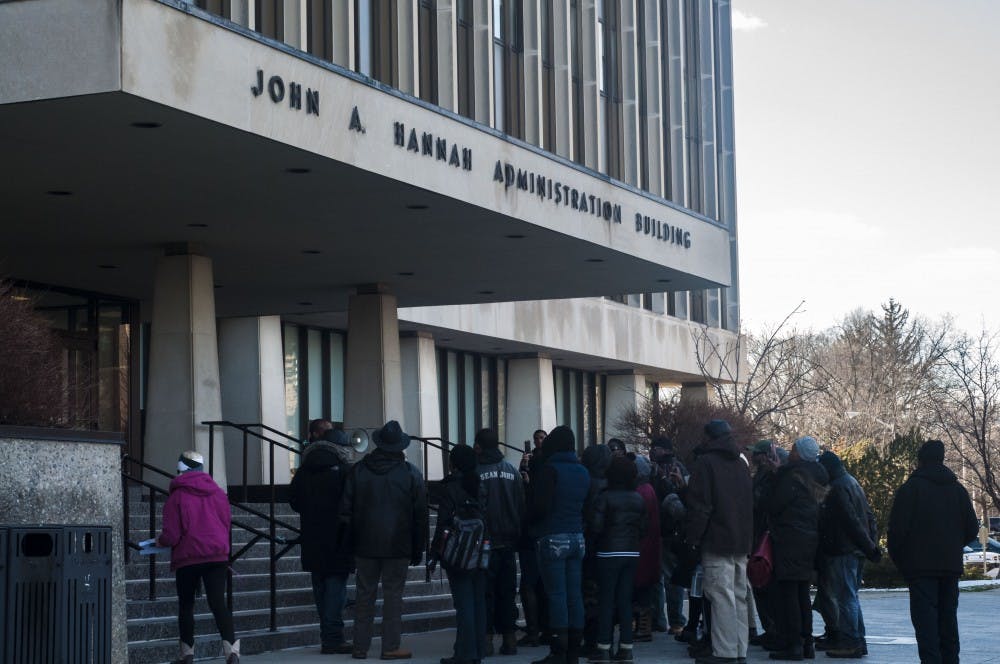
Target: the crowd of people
(608, 543)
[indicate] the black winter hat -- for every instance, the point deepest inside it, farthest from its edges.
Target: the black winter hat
(931, 452)
(622, 473)
(560, 439)
(717, 429)
(463, 458)
(664, 442)
(487, 439)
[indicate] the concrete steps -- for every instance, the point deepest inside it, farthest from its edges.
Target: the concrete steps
(152, 624)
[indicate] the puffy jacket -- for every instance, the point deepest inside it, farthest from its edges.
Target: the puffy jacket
(196, 521)
(618, 521)
(385, 504)
(719, 499)
(315, 493)
(560, 491)
(792, 508)
(931, 520)
(846, 523)
(501, 494)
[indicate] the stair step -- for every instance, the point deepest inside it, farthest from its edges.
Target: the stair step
(157, 651)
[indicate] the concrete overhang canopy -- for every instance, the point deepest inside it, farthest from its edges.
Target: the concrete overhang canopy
(303, 204)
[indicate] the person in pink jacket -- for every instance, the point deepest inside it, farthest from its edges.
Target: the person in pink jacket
(196, 521)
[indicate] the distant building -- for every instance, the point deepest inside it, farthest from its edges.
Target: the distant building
(455, 213)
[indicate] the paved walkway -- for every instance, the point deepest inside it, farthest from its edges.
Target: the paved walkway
(890, 638)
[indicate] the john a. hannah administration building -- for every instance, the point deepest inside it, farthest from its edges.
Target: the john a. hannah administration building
(454, 213)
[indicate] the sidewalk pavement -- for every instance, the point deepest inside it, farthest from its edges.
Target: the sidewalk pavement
(890, 638)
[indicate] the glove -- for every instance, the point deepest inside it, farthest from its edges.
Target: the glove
(432, 564)
(875, 555)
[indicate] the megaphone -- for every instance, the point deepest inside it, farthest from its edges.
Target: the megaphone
(359, 440)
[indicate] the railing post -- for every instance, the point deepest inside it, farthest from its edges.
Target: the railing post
(152, 533)
(274, 562)
(211, 450)
(229, 574)
(245, 465)
(127, 531)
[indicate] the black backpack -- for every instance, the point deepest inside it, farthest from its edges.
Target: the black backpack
(464, 544)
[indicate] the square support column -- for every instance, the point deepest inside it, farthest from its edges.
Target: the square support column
(253, 392)
(623, 392)
(373, 392)
(421, 401)
(183, 365)
(531, 400)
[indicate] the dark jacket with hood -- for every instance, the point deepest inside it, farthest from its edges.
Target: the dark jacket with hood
(719, 499)
(931, 520)
(618, 521)
(455, 498)
(501, 493)
(595, 459)
(560, 493)
(385, 504)
(315, 493)
(792, 508)
(846, 522)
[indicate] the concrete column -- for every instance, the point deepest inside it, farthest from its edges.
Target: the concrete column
(533, 126)
(294, 24)
(593, 110)
(447, 60)
(623, 392)
(694, 392)
(531, 400)
(421, 400)
(183, 363)
(482, 49)
(562, 71)
(253, 391)
(342, 32)
(653, 59)
(628, 27)
(373, 392)
(677, 178)
(407, 58)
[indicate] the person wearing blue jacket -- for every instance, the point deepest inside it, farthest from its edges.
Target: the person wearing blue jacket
(559, 495)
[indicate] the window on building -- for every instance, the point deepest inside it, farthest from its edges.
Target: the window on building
(466, 59)
(692, 109)
(319, 41)
(610, 75)
(576, 60)
(469, 388)
(578, 403)
(269, 17)
(363, 36)
(508, 63)
(427, 48)
(384, 43)
(640, 31)
(697, 306)
(314, 361)
(548, 79)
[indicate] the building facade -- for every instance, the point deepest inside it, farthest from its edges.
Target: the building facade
(454, 213)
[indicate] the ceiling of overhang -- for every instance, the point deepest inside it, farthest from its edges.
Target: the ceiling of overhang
(280, 242)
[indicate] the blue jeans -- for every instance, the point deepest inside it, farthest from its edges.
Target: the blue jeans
(843, 574)
(468, 594)
(560, 558)
(330, 593)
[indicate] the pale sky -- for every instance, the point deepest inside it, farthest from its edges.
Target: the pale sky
(868, 157)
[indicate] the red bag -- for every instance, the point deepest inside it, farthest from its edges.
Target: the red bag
(760, 567)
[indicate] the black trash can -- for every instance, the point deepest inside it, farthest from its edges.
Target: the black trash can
(58, 599)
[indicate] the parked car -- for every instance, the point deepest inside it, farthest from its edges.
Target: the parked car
(976, 558)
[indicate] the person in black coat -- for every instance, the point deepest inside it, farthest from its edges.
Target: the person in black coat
(931, 520)
(315, 493)
(459, 495)
(792, 508)
(385, 505)
(617, 521)
(847, 536)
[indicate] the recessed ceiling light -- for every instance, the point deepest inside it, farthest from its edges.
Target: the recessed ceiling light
(486, 292)
(147, 125)
(514, 236)
(405, 274)
(108, 266)
(197, 225)
(416, 206)
(59, 192)
(595, 260)
(298, 170)
(497, 348)
(311, 252)
(305, 304)
(447, 339)
(663, 281)
(218, 285)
